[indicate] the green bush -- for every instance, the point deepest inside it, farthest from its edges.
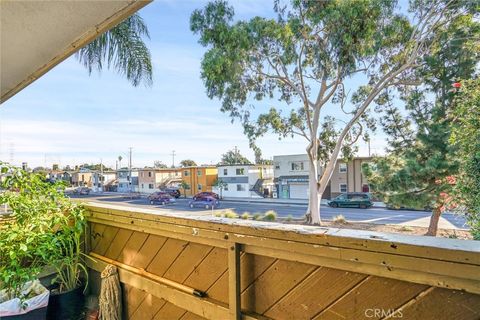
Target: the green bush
(289, 218)
(257, 216)
(270, 215)
(230, 214)
(245, 216)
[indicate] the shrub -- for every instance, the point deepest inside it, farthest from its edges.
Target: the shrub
(289, 218)
(217, 214)
(270, 215)
(257, 216)
(230, 214)
(245, 216)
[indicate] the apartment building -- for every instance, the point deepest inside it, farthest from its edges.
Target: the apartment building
(198, 179)
(127, 183)
(245, 181)
(291, 177)
(82, 178)
(153, 179)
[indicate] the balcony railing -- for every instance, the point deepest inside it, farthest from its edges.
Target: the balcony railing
(179, 267)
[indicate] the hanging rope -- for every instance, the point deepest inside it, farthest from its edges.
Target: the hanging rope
(110, 295)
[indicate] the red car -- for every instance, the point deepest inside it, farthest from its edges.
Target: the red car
(161, 198)
(206, 194)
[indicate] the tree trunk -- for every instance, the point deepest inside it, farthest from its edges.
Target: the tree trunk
(314, 198)
(433, 227)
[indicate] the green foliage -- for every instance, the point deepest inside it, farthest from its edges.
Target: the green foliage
(44, 228)
(419, 170)
(96, 167)
(289, 218)
(123, 49)
(228, 213)
(188, 163)
(245, 216)
(270, 215)
(159, 164)
(185, 186)
(257, 216)
(466, 137)
(233, 157)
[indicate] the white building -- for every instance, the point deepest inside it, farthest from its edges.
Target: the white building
(291, 177)
(245, 181)
(127, 183)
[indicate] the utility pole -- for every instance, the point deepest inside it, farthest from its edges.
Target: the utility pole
(369, 147)
(130, 169)
(101, 173)
(173, 158)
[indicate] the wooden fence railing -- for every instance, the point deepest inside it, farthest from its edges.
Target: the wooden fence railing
(177, 267)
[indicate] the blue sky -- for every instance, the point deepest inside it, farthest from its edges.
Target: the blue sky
(69, 117)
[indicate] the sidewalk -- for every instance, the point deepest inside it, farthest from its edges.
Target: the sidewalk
(299, 202)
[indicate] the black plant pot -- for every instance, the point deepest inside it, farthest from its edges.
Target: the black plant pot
(37, 314)
(66, 305)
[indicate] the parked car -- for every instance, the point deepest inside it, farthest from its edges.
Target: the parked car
(206, 194)
(161, 198)
(352, 199)
(174, 192)
(205, 202)
(82, 190)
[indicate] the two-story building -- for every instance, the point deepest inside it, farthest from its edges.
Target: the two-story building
(291, 177)
(83, 178)
(245, 181)
(127, 182)
(153, 179)
(198, 179)
(58, 175)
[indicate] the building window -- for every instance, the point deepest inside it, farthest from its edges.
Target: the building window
(365, 188)
(149, 174)
(142, 186)
(150, 186)
(343, 187)
(342, 168)
(199, 187)
(225, 172)
(297, 166)
(83, 177)
(277, 165)
(186, 173)
(225, 187)
(240, 171)
(240, 187)
(199, 172)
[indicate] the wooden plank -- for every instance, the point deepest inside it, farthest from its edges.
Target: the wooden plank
(191, 316)
(170, 311)
(133, 245)
(273, 284)
(209, 270)
(424, 271)
(133, 298)
(118, 243)
(320, 289)
(234, 302)
(184, 233)
(440, 303)
(187, 261)
(96, 234)
(416, 246)
(375, 292)
(199, 306)
(469, 285)
(166, 256)
(148, 308)
(148, 251)
(251, 267)
(106, 239)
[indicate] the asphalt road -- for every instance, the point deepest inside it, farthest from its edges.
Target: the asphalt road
(372, 215)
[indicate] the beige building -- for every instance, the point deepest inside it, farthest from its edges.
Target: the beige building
(291, 177)
(153, 179)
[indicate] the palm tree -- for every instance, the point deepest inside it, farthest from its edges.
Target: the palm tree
(123, 49)
(120, 162)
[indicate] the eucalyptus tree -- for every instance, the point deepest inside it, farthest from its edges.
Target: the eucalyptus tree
(305, 58)
(123, 49)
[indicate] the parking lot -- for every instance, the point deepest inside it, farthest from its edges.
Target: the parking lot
(372, 215)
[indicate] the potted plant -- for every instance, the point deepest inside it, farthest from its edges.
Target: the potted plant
(44, 229)
(67, 299)
(25, 242)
